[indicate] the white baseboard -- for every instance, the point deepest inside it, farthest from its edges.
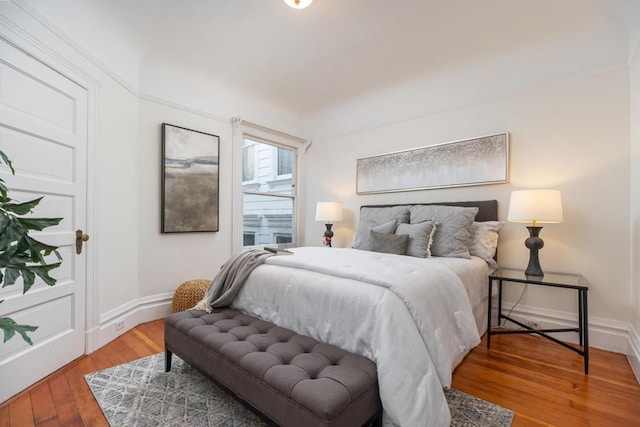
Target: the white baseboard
(605, 334)
(121, 319)
(634, 351)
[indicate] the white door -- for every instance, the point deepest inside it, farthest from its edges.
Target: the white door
(43, 130)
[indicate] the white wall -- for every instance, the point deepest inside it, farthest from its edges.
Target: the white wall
(634, 72)
(117, 201)
(188, 90)
(166, 260)
(573, 136)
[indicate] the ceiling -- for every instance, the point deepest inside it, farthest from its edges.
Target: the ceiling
(336, 50)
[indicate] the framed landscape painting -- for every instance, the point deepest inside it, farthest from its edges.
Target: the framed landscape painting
(190, 180)
(477, 161)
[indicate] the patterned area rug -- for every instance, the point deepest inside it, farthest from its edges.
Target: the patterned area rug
(141, 394)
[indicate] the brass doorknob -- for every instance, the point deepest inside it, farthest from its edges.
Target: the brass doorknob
(80, 237)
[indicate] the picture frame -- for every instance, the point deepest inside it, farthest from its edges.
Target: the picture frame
(476, 161)
(190, 180)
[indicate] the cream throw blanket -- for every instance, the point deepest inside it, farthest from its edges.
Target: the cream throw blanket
(230, 279)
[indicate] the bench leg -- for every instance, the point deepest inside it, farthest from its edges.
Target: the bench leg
(167, 360)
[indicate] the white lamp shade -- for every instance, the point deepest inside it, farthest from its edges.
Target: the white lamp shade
(298, 4)
(328, 211)
(544, 206)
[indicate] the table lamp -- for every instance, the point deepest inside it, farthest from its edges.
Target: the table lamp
(535, 207)
(328, 212)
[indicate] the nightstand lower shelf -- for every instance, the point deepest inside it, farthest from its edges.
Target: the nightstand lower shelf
(568, 281)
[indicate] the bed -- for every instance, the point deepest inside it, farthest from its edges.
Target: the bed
(415, 316)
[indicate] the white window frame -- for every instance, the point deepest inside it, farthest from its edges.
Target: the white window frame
(255, 162)
(276, 165)
(243, 129)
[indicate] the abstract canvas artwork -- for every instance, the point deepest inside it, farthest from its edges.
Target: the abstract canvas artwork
(477, 161)
(190, 181)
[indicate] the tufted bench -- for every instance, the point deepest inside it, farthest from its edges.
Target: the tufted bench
(291, 379)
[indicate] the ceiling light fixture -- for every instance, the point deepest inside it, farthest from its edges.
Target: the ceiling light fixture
(298, 4)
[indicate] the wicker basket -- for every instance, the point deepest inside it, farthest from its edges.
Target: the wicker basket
(189, 294)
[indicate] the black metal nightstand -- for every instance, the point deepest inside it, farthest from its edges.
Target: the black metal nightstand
(556, 280)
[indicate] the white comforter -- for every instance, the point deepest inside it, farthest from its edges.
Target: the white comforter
(411, 316)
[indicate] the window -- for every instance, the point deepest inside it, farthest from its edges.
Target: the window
(248, 239)
(285, 161)
(283, 238)
(248, 162)
(269, 199)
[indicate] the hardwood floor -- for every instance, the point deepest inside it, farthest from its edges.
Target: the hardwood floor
(542, 382)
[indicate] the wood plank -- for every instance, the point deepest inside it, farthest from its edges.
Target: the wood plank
(141, 345)
(21, 413)
(154, 331)
(44, 410)
(68, 413)
(87, 405)
(4, 416)
(151, 344)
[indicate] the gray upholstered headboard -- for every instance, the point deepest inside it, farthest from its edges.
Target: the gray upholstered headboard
(488, 209)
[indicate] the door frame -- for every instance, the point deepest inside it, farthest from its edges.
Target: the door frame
(28, 34)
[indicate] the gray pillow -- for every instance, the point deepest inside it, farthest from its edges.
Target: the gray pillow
(386, 228)
(420, 237)
(453, 237)
(371, 217)
(388, 243)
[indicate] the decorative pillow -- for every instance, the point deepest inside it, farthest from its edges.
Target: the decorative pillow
(386, 228)
(453, 236)
(485, 240)
(420, 237)
(371, 217)
(389, 243)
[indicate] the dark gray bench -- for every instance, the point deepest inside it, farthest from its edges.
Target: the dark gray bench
(290, 379)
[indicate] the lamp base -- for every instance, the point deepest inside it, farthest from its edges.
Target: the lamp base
(328, 234)
(534, 243)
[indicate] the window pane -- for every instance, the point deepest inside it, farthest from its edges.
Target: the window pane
(283, 238)
(248, 163)
(248, 239)
(267, 168)
(268, 218)
(285, 161)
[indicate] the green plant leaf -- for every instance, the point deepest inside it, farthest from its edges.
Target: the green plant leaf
(43, 272)
(11, 275)
(10, 327)
(7, 162)
(28, 279)
(3, 191)
(38, 224)
(11, 233)
(37, 249)
(22, 208)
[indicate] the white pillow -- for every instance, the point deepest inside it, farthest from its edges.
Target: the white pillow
(485, 240)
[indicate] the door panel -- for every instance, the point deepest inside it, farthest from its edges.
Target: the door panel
(43, 130)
